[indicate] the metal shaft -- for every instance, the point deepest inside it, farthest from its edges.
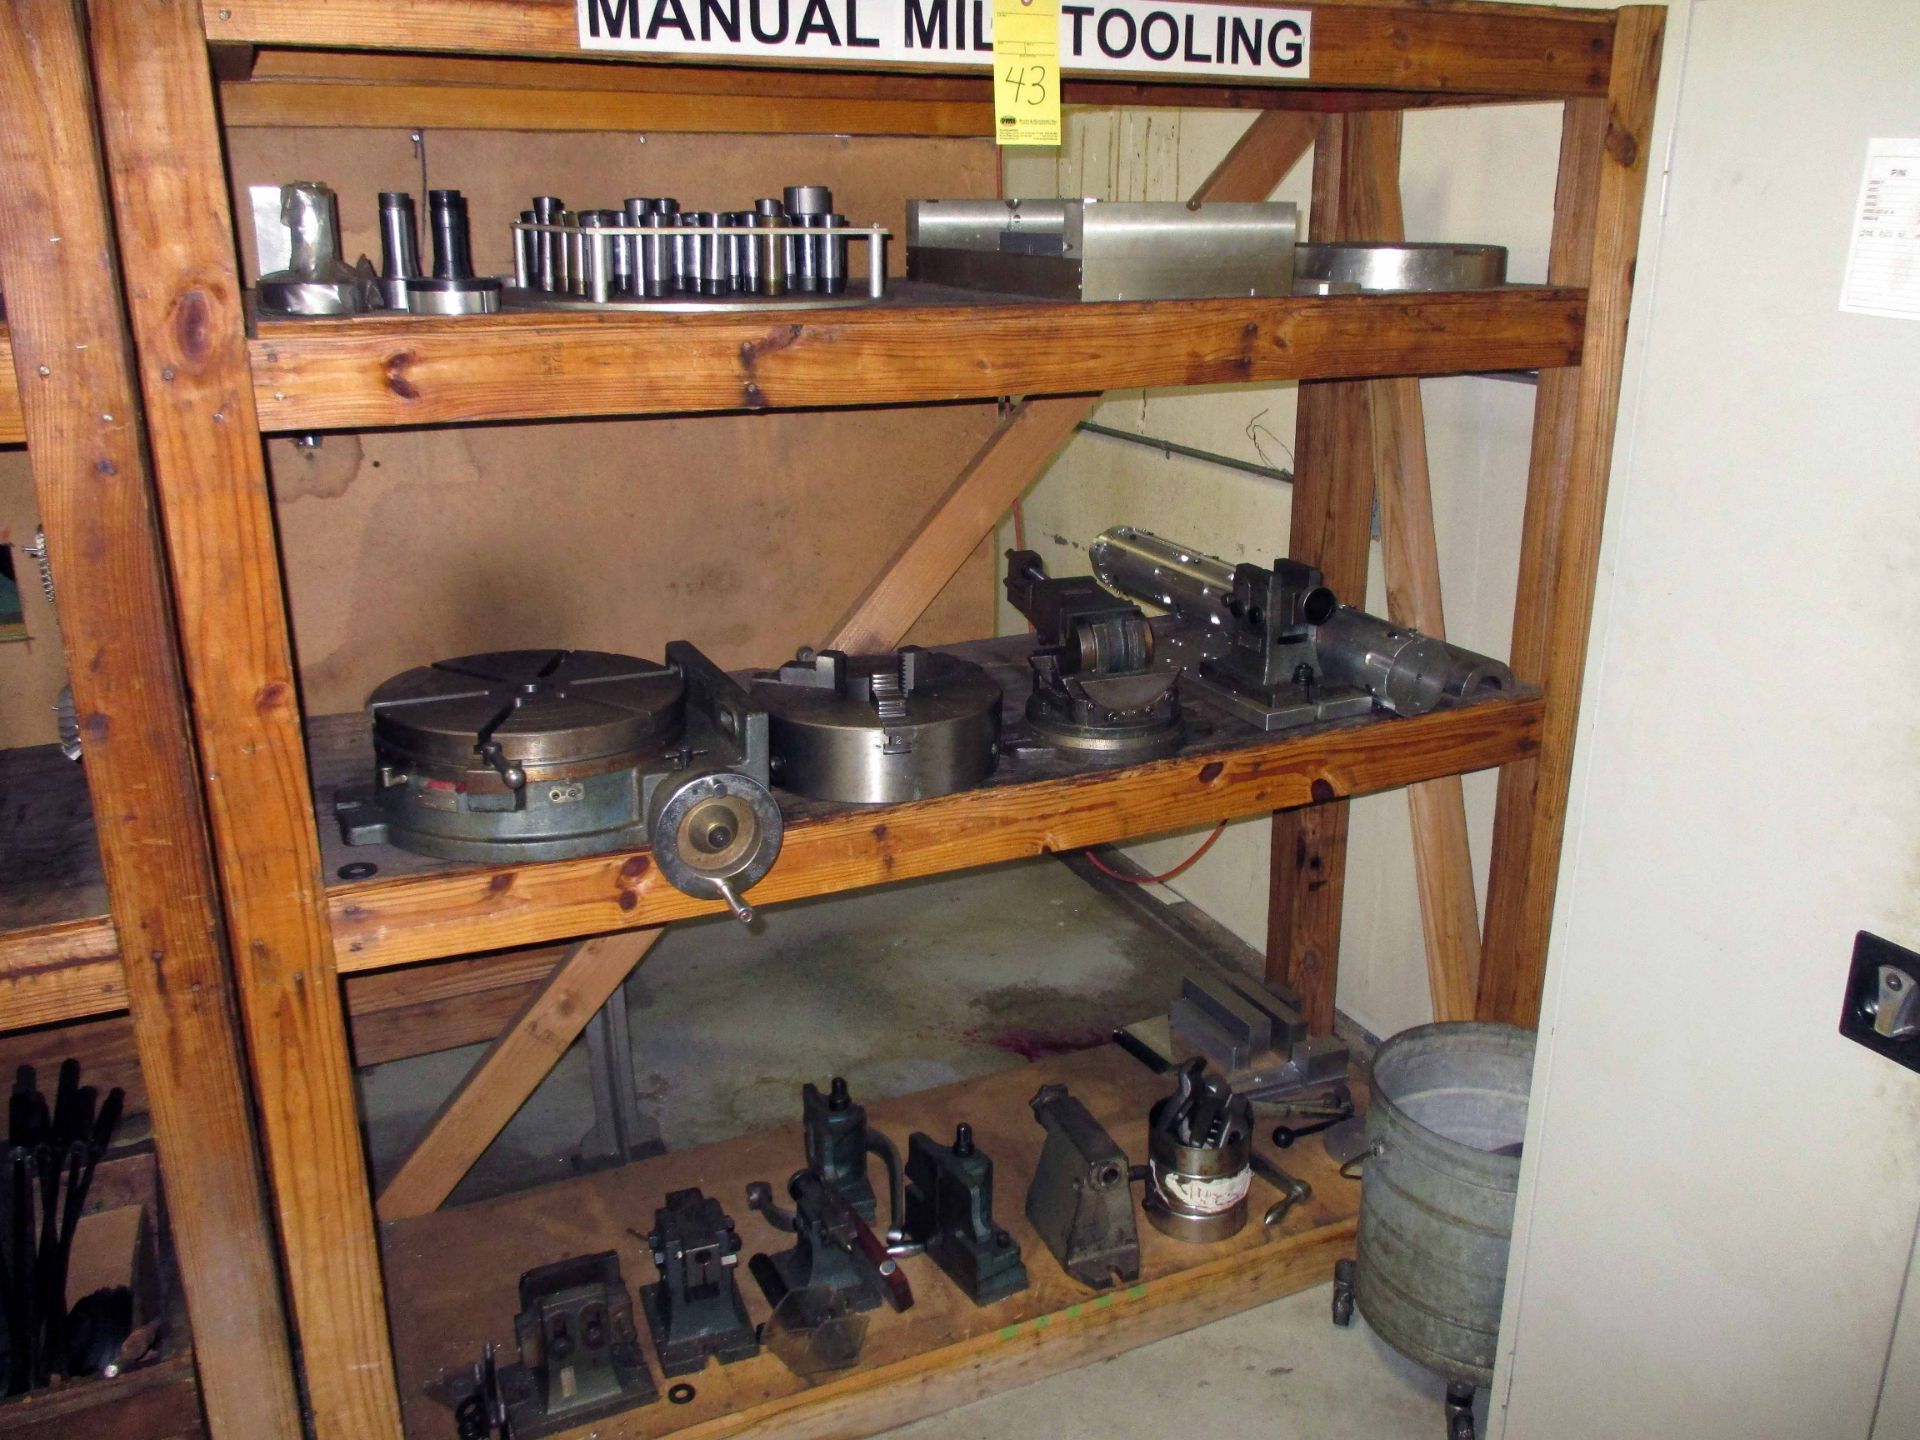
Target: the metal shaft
(833, 257)
(1161, 572)
(774, 250)
(596, 256)
(452, 256)
(547, 210)
(526, 253)
(399, 246)
(746, 255)
(807, 205)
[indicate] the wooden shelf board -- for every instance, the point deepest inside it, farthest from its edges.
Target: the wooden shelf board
(452, 1274)
(924, 345)
(1495, 49)
(59, 958)
(13, 422)
(417, 908)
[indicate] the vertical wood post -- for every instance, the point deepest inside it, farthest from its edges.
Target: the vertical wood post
(1357, 156)
(163, 149)
(1410, 556)
(75, 368)
(1604, 163)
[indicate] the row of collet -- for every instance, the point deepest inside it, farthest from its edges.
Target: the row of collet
(571, 260)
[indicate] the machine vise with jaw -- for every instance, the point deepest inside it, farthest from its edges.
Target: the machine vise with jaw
(1096, 690)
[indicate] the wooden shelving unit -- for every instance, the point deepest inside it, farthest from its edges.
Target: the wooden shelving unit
(117, 850)
(211, 381)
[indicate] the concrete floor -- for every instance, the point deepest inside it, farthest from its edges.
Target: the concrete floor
(898, 989)
(1281, 1370)
(902, 989)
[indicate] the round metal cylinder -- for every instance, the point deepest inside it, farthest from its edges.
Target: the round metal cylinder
(705, 266)
(452, 256)
(743, 261)
(835, 745)
(1405, 671)
(769, 253)
(596, 255)
(1448, 1116)
(575, 251)
(569, 732)
(803, 255)
(659, 257)
(808, 254)
(807, 200)
(526, 253)
(399, 246)
(1197, 1193)
(675, 257)
(476, 295)
(833, 257)
(1145, 567)
(548, 209)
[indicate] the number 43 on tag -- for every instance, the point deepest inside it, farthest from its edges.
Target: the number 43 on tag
(1026, 72)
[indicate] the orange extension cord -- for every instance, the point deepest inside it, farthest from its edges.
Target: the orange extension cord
(1177, 871)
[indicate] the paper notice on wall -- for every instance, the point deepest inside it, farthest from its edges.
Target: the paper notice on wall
(1883, 260)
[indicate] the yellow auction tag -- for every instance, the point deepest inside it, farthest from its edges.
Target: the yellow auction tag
(1026, 72)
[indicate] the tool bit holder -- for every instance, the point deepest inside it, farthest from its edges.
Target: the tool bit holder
(834, 1127)
(695, 1309)
(1081, 1199)
(580, 1358)
(950, 1213)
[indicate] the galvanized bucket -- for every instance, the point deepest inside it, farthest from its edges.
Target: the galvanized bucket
(1448, 1115)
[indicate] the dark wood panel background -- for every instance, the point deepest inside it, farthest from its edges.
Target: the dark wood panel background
(746, 534)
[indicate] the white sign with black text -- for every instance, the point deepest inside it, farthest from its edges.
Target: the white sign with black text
(1140, 37)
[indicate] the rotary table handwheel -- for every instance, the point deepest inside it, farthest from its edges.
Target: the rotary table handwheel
(714, 834)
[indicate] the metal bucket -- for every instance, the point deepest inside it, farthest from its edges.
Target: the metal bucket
(1448, 1115)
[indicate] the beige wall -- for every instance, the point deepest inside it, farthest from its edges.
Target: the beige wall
(1720, 1193)
(1483, 175)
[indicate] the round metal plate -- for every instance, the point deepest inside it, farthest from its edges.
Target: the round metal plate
(542, 707)
(836, 745)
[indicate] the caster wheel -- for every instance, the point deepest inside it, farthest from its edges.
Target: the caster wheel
(1343, 1293)
(1460, 1412)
